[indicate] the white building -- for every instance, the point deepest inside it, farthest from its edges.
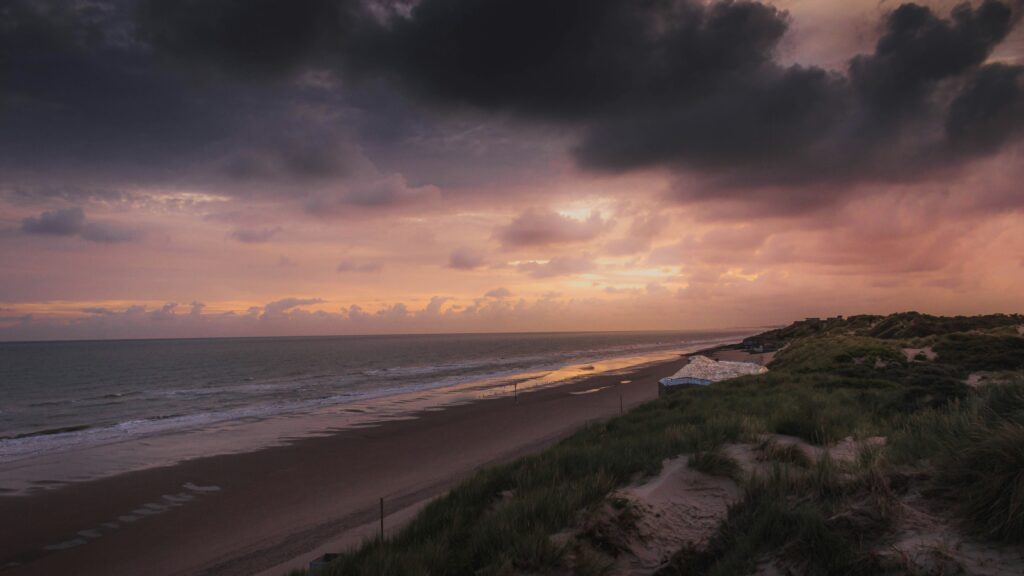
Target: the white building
(701, 371)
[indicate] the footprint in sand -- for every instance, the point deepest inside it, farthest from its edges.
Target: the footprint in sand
(169, 501)
(196, 488)
(178, 499)
(65, 545)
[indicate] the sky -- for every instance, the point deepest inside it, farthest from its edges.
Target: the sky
(199, 168)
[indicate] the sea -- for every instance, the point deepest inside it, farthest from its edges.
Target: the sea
(79, 410)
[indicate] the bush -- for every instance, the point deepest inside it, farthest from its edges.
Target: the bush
(986, 479)
(974, 352)
(977, 449)
(716, 463)
(784, 453)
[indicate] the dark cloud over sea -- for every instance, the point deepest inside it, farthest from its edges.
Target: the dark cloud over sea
(271, 96)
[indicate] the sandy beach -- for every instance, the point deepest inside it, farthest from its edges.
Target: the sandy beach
(268, 510)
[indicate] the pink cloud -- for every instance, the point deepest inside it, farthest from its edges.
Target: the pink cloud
(466, 259)
(535, 228)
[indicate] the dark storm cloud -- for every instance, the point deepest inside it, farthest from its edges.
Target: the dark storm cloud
(244, 37)
(307, 155)
(77, 87)
(573, 58)
(989, 110)
(150, 90)
(696, 87)
(88, 98)
(65, 222)
(919, 49)
(882, 120)
(72, 222)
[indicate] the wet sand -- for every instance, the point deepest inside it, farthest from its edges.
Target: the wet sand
(242, 514)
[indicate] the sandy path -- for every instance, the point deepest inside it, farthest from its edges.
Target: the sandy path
(678, 507)
(244, 513)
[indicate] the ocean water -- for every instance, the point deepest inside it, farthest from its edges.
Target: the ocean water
(79, 410)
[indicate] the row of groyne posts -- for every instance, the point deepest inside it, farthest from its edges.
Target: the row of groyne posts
(322, 561)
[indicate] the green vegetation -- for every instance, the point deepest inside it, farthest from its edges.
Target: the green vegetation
(716, 463)
(976, 449)
(846, 377)
(784, 453)
(974, 352)
(796, 514)
(902, 326)
(474, 529)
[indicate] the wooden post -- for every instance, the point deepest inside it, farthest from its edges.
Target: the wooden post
(620, 404)
(382, 520)
(515, 392)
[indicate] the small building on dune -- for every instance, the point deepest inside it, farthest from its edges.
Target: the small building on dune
(701, 371)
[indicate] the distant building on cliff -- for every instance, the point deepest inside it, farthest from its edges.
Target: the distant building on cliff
(701, 371)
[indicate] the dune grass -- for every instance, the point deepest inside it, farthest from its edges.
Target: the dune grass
(784, 453)
(715, 463)
(976, 449)
(788, 512)
(474, 530)
(500, 521)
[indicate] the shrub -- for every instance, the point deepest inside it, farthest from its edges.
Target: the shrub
(716, 463)
(986, 479)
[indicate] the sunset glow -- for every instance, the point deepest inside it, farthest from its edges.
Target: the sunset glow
(319, 194)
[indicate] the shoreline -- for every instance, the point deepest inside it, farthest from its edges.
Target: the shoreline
(244, 513)
(44, 461)
(56, 456)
